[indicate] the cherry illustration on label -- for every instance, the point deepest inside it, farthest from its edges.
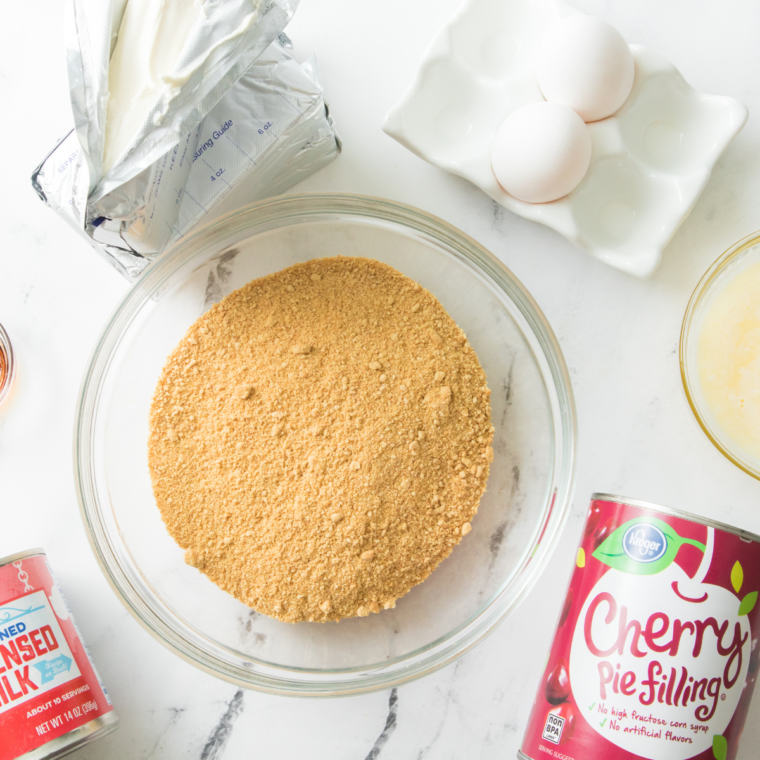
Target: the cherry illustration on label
(592, 521)
(566, 607)
(557, 689)
(600, 535)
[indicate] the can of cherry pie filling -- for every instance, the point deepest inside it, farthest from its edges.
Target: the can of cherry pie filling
(51, 698)
(656, 649)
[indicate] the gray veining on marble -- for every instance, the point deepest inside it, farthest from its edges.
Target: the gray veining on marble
(217, 741)
(619, 336)
(388, 728)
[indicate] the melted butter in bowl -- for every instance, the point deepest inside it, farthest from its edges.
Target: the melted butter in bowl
(728, 353)
(720, 354)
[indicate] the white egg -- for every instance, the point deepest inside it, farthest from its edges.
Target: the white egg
(541, 152)
(585, 63)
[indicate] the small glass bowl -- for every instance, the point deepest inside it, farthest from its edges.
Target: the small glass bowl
(7, 365)
(741, 255)
(486, 576)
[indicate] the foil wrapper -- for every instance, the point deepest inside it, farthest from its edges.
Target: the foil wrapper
(251, 123)
(228, 38)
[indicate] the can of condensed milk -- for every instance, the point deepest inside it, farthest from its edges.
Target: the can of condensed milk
(51, 698)
(656, 649)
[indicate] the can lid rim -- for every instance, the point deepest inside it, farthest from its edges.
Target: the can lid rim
(743, 534)
(21, 555)
(75, 739)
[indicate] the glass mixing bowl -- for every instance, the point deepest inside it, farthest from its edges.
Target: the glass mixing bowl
(472, 591)
(743, 254)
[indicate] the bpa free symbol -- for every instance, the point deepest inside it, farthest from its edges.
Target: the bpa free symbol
(553, 728)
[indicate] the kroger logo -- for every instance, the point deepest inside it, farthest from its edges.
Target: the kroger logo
(644, 543)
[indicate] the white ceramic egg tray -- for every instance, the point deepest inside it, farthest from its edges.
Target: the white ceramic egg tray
(650, 161)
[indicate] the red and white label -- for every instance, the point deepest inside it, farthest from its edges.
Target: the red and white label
(48, 685)
(666, 682)
(656, 653)
(34, 655)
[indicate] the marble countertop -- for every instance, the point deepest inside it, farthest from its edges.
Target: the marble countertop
(619, 335)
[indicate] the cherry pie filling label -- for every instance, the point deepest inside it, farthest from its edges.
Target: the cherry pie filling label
(655, 655)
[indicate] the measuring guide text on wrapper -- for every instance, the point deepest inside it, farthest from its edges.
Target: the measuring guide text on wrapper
(268, 132)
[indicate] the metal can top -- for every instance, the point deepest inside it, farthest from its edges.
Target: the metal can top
(745, 535)
(20, 555)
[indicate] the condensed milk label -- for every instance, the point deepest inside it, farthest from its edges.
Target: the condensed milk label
(48, 685)
(35, 656)
(656, 653)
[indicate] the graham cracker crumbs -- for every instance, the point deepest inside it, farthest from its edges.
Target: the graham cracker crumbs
(328, 446)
